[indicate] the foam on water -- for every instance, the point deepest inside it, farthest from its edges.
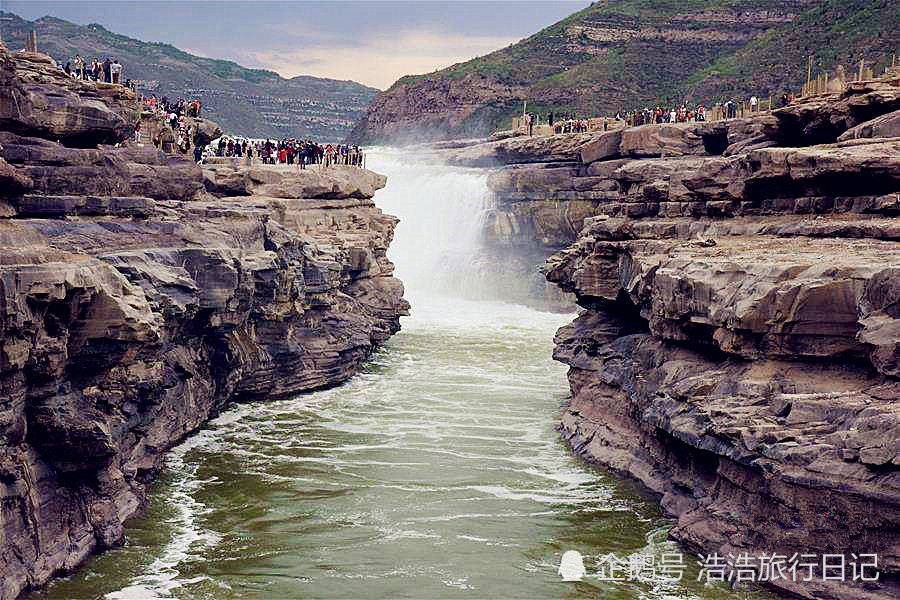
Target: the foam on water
(188, 538)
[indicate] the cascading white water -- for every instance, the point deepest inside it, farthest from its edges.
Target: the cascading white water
(441, 210)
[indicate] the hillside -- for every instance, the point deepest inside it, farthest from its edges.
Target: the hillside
(622, 54)
(244, 101)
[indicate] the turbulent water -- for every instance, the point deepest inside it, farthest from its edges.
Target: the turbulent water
(436, 473)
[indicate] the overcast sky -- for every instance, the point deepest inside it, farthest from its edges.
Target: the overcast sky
(370, 41)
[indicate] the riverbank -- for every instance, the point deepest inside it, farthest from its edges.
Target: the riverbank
(738, 353)
(137, 304)
(436, 470)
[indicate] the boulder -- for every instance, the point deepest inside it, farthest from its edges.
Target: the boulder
(885, 126)
(38, 99)
(205, 131)
(667, 139)
(226, 181)
(605, 147)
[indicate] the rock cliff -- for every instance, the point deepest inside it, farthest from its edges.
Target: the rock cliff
(135, 304)
(739, 347)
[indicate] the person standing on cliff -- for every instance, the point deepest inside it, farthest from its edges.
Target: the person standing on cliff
(107, 77)
(115, 70)
(79, 67)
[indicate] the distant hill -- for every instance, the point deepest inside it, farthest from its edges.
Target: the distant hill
(243, 101)
(622, 54)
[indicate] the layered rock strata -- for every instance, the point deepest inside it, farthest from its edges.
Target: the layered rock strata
(135, 304)
(739, 347)
(624, 55)
(38, 99)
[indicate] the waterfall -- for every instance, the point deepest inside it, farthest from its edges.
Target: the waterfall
(434, 473)
(437, 246)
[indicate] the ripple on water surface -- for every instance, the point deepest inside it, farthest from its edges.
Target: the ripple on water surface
(436, 473)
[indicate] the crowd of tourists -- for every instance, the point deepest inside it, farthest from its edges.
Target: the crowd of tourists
(568, 122)
(107, 71)
(681, 114)
(292, 151)
(178, 108)
(173, 115)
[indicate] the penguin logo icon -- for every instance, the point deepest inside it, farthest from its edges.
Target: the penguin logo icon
(571, 567)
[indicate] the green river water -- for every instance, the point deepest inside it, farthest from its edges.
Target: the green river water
(435, 473)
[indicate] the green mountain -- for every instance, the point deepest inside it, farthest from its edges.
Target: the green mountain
(251, 102)
(617, 55)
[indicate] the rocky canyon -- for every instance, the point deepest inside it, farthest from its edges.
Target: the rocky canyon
(738, 345)
(736, 349)
(140, 294)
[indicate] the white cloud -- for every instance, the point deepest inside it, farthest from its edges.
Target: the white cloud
(379, 61)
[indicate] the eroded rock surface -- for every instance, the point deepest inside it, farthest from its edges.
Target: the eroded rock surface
(746, 370)
(739, 346)
(134, 305)
(38, 99)
(130, 320)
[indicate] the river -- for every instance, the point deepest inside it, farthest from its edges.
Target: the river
(435, 473)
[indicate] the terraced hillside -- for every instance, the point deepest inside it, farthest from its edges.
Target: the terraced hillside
(622, 54)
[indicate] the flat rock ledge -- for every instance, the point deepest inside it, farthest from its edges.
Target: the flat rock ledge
(135, 305)
(738, 351)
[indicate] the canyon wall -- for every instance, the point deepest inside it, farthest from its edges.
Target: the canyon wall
(140, 294)
(738, 351)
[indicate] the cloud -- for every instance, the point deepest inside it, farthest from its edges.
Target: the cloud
(377, 61)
